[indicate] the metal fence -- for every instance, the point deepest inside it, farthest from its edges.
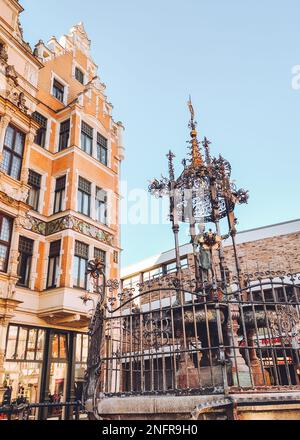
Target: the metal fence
(167, 337)
(42, 411)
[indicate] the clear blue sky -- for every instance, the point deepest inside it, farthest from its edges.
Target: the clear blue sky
(234, 57)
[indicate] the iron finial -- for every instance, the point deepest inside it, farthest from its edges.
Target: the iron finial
(197, 160)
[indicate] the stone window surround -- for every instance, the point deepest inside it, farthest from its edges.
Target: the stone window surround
(94, 186)
(55, 237)
(48, 129)
(76, 64)
(52, 191)
(43, 189)
(97, 128)
(64, 83)
(92, 246)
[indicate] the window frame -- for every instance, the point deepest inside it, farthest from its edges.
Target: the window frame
(81, 192)
(35, 187)
(4, 243)
(102, 145)
(81, 258)
(58, 90)
(12, 152)
(24, 267)
(53, 255)
(99, 204)
(64, 135)
(87, 132)
(41, 134)
(80, 78)
(59, 192)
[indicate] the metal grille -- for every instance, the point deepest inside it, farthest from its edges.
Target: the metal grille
(86, 129)
(84, 185)
(79, 75)
(81, 249)
(163, 337)
(65, 126)
(101, 140)
(40, 119)
(26, 245)
(55, 248)
(101, 195)
(34, 179)
(60, 183)
(99, 253)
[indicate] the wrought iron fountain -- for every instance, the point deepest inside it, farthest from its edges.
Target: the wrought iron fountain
(208, 329)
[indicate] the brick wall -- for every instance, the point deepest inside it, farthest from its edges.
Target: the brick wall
(275, 253)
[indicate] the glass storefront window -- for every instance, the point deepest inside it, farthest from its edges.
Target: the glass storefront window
(25, 344)
(25, 366)
(22, 340)
(22, 382)
(11, 342)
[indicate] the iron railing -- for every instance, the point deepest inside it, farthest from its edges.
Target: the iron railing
(163, 337)
(43, 411)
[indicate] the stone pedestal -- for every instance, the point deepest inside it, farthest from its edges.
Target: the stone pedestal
(260, 376)
(240, 370)
(187, 375)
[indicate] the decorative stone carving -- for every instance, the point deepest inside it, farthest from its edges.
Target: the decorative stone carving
(3, 53)
(15, 194)
(11, 75)
(22, 103)
(7, 289)
(68, 222)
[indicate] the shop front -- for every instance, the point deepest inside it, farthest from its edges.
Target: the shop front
(44, 365)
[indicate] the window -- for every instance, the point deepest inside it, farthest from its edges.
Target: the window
(59, 197)
(24, 344)
(53, 264)
(64, 135)
(87, 138)
(84, 196)
(13, 149)
(79, 75)
(40, 138)
(5, 238)
(58, 90)
(171, 267)
(102, 150)
(99, 253)
(26, 252)
(80, 265)
(34, 180)
(101, 206)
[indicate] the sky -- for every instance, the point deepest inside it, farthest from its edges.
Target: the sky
(237, 59)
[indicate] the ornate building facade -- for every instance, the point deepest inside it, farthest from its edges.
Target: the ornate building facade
(60, 152)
